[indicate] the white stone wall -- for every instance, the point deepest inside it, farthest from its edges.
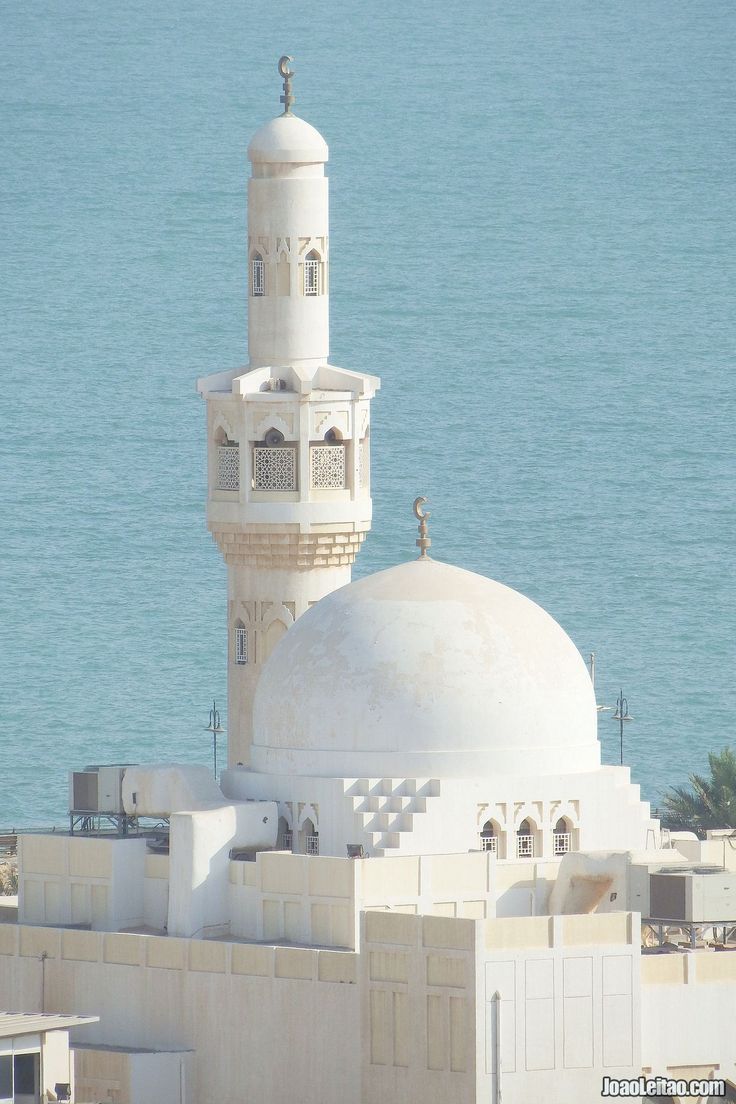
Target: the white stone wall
(409, 816)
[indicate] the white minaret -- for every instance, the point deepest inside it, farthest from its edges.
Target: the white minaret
(288, 437)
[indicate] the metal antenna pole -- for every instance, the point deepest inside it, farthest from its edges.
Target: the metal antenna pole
(215, 728)
(622, 715)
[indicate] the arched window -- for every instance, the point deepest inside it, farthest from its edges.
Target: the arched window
(310, 838)
(228, 462)
(285, 837)
(312, 273)
(327, 462)
(274, 463)
(257, 275)
(489, 838)
(241, 644)
(525, 841)
(562, 837)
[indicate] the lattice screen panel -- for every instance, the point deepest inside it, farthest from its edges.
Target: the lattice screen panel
(364, 467)
(328, 466)
(274, 469)
(228, 467)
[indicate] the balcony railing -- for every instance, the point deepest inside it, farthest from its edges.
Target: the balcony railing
(489, 843)
(313, 845)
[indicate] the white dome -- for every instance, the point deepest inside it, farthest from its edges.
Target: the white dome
(425, 670)
(287, 139)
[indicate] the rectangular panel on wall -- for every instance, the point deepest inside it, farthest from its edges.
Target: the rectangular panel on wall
(618, 1044)
(80, 903)
(577, 1013)
(436, 1042)
(540, 1014)
(578, 1032)
(293, 922)
(380, 1051)
(501, 977)
(401, 1029)
(540, 1033)
(52, 902)
(273, 920)
(617, 975)
(458, 1034)
(99, 897)
(32, 902)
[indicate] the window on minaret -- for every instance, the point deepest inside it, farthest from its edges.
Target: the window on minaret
(257, 275)
(312, 273)
(241, 644)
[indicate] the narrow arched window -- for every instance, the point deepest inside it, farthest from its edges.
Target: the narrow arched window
(311, 838)
(257, 275)
(562, 837)
(285, 838)
(525, 841)
(241, 643)
(312, 273)
(274, 463)
(488, 837)
(228, 462)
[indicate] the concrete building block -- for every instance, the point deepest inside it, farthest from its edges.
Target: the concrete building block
(384, 927)
(123, 950)
(208, 956)
(337, 966)
(450, 934)
(251, 959)
(35, 942)
(294, 962)
(167, 953)
(81, 946)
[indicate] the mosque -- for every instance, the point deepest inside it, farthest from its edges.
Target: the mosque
(415, 881)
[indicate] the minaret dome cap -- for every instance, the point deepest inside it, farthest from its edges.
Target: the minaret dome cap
(287, 139)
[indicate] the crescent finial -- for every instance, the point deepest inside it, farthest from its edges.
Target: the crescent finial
(283, 66)
(288, 97)
(423, 542)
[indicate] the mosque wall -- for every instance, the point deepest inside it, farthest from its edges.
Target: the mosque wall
(687, 1005)
(409, 816)
(264, 1021)
(557, 998)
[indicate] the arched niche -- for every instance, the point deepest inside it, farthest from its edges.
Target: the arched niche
(493, 838)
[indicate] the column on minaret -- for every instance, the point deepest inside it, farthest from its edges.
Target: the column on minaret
(288, 481)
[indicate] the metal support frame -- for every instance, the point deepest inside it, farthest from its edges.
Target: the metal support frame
(86, 822)
(694, 930)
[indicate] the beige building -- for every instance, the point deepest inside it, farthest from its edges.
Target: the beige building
(415, 882)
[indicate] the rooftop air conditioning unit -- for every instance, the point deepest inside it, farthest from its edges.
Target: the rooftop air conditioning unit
(697, 895)
(97, 790)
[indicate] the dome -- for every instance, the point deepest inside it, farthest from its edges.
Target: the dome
(287, 139)
(425, 670)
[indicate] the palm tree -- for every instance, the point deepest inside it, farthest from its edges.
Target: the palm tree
(709, 802)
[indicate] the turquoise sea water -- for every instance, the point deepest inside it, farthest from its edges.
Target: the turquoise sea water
(532, 243)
